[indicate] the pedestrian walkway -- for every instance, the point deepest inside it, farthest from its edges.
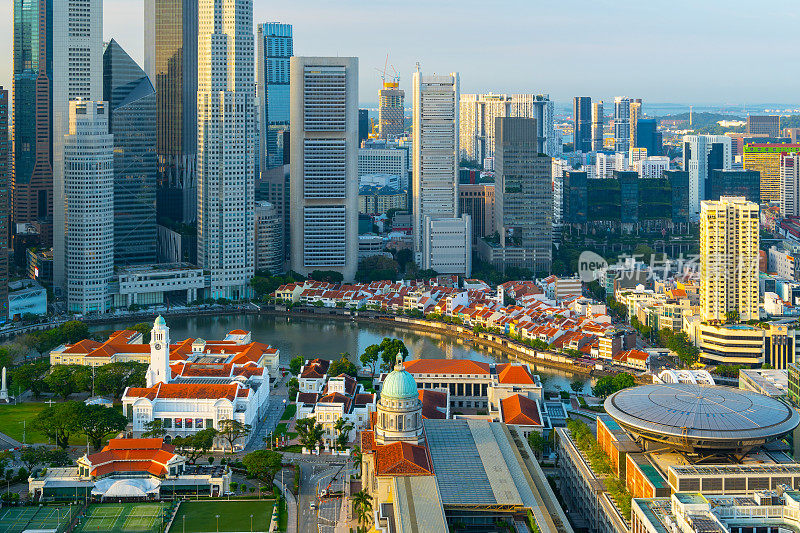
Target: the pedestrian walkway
(291, 505)
(7, 443)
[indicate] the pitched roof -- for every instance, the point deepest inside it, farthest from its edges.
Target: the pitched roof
(307, 398)
(432, 401)
(446, 366)
(402, 459)
(188, 391)
(516, 374)
(521, 410)
(132, 455)
(315, 369)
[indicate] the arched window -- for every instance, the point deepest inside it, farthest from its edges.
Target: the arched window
(400, 422)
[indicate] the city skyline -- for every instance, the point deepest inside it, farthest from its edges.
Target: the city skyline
(596, 31)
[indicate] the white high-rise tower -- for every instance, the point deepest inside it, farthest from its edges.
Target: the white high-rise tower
(226, 142)
(77, 73)
(159, 371)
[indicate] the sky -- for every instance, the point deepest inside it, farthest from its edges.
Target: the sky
(677, 51)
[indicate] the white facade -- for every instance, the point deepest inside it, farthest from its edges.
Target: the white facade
(696, 152)
(89, 207)
(606, 164)
(447, 245)
(77, 73)
(391, 161)
(436, 153)
(790, 184)
(146, 284)
(324, 148)
(226, 146)
(268, 238)
(622, 123)
(370, 245)
(652, 167)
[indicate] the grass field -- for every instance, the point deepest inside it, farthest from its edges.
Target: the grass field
(233, 516)
(123, 518)
(289, 412)
(12, 416)
(19, 519)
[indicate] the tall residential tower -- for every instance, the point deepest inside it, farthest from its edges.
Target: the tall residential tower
(701, 155)
(598, 122)
(391, 111)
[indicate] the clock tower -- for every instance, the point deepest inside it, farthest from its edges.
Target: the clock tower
(159, 353)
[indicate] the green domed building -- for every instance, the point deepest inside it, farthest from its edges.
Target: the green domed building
(399, 415)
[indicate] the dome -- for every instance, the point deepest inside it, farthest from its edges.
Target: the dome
(160, 321)
(399, 383)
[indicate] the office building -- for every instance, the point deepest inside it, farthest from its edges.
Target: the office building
(635, 115)
(387, 161)
(477, 114)
(132, 120)
(226, 144)
(622, 124)
(5, 180)
(651, 167)
(765, 158)
(729, 258)
(363, 125)
(391, 110)
(598, 123)
(273, 187)
(447, 245)
(435, 153)
(582, 119)
(648, 136)
(790, 184)
(477, 201)
(606, 164)
(77, 73)
(764, 125)
(737, 182)
(89, 204)
(324, 180)
(701, 155)
(32, 176)
(170, 61)
(274, 49)
(523, 199)
(378, 200)
(268, 238)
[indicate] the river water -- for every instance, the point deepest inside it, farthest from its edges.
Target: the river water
(327, 338)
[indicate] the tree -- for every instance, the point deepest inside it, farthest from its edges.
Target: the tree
(536, 442)
(263, 464)
(296, 364)
(309, 433)
(196, 444)
(370, 357)
(144, 328)
(60, 381)
(608, 385)
(388, 350)
(343, 428)
(427, 274)
(29, 376)
(32, 456)
(404, 257)
(74, 331)
(114, 378)
(377, 268)
(362, 506)
(154, 429)
(233, 430)
(343, 366)
(329, 276)
(60, 421)
(97, 421)
(577, 385)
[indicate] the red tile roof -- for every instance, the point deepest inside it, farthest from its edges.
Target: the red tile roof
(188, 391)
(367, 441)
(402, 459)
(363, 399)
(132, 455)
(315, 369)
(432, 402)
(521, 410)
(446, 366)
(514, 374)
(308, 398)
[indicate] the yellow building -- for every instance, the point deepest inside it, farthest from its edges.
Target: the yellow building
(735, 344)
(729, 259)
(766, 159)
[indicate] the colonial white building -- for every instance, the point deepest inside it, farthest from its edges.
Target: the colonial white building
(198, 391)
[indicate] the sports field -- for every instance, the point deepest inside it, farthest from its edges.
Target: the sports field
(201, 516)
(123, 517)
(18, 519)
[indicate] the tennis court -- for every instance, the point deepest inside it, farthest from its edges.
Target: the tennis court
(122, 518)
(18, 519)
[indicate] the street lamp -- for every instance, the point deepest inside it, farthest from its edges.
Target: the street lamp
(217, 523)
(251, 523)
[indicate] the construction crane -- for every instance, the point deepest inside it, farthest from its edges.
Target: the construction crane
(394, 81)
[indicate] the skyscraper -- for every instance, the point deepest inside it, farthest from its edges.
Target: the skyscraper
(274, 49)
(32, 176)
(268, 238)
(523, 196)
(391, 110)
(77, 73)
(729, 258)
(598, 123)
(363, 125)
(89, 204)
(765, 158)
(744, 183)
(582, 118)
(324, 170)
(764, 125)
(701, 155)
(622, 124)
(132, 118)
(226, 142)
(5, 180)
(635, 115)
(790, 184)
(170, 60)
(648, 136)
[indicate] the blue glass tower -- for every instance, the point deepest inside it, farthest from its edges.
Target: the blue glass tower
(274, 49)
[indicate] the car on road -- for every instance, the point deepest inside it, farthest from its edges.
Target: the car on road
(313, 505)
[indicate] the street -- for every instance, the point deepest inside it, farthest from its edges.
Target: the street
(313, 478)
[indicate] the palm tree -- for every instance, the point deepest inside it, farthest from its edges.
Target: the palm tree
(362, 506)
(342, 428)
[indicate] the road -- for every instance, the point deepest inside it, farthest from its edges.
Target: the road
(314, 477)
(267, 425)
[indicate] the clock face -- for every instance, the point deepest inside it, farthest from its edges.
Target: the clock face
(157, 346)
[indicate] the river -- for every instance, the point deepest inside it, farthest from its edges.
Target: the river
(327, 338)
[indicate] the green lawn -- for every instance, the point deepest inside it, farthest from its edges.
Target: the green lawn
(367, 384)
(19, 519)
(289, 412)
(201, 516)
(124, 518)
(12, 416)
(281, 429)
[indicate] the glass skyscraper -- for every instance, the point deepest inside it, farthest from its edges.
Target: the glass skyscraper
(132, 102)
(32, 184)
(274, 48)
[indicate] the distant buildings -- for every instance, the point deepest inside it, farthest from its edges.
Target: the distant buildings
(648, 136)
(622, 124)
(324, 181)
(376, 200)
(389, 160)
(274, 49)
(478, 201)
(764, 125)
(729, 259)
(651, 167)
(89, 203)
(598, 123)
(391, 110)
(701, 155)
(447, 245)
(268, 227)
(635, 116)
(745, 183)
(790, 184)
(765, 158)
(226, 142)
(5, 182)
(582, 119)
(363, 125)
(132, 122)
